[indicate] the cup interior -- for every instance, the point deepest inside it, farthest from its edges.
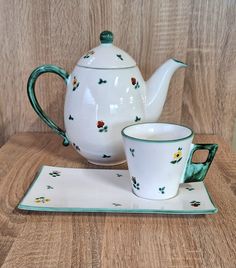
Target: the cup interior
(157, 132)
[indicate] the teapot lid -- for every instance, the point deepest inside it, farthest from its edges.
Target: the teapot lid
(106, 56)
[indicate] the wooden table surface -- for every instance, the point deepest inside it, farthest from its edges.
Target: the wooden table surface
(35, 239)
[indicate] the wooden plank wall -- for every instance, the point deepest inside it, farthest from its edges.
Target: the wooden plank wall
(201, 33)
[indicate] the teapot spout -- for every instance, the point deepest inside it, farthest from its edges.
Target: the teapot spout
(157, 88)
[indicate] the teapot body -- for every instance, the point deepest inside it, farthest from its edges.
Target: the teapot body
(98, 104)
(105, 93)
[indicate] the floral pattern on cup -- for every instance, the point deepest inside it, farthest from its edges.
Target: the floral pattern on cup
(177, 156)
(162, 190)
(135, 83)
(88, 54)
(102, 127)
(135, 183)
(137, 119)
(75, 83)
(131, 151)
(41, 199)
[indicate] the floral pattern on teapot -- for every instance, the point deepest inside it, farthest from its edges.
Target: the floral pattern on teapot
(101, 81)
(75, 83)
(119, 56)
(88, 54)
(71, 117)
(135, 83)
(102, 127)
(137, 119)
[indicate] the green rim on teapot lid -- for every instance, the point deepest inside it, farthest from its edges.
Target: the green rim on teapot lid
(106, 37)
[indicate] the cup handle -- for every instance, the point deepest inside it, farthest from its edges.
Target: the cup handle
(196, 172)
(34, 102)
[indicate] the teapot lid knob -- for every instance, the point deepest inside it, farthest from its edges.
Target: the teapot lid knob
(106, 37)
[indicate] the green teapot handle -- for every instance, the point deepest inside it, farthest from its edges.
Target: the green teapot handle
(34, 102)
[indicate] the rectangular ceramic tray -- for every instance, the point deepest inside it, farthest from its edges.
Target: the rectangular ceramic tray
(106, 190)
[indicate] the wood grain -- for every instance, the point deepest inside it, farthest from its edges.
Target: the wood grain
(201, 33)
(36, 239)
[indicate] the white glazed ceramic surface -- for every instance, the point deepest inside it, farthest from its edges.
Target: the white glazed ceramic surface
(95, 112)
(99, 190)
(105, 92)
(106, 56)
(157, 155)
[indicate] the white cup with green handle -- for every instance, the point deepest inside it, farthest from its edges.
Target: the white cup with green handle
(159, 157)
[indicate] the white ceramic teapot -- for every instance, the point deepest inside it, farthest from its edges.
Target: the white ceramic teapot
(105, 93)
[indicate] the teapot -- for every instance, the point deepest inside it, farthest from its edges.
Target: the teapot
(105, 93)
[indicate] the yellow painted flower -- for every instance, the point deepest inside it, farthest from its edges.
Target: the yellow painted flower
(41, 199)
(177, 156)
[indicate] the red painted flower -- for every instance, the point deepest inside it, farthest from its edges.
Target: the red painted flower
(74, 81)
(133, 81)
(100, 124)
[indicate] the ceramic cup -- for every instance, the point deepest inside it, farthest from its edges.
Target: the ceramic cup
(159, 157)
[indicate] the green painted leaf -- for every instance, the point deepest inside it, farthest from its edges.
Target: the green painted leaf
(178, 160)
